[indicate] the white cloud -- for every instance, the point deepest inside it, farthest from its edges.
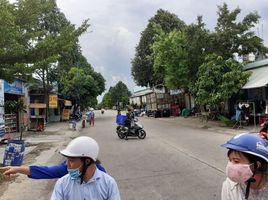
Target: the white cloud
(116, 26)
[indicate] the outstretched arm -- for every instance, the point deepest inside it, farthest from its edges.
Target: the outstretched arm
(48, 172)
(40, 172)
(10, 170)
(37, 172)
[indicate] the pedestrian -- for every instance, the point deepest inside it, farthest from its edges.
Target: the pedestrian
(42, 172)
(247, 175)
(84, 180)
(91, 117)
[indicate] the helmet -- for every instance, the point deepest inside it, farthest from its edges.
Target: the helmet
(249, 143)
(82, 147)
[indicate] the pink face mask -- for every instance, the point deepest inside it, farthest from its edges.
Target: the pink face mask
(238, 173)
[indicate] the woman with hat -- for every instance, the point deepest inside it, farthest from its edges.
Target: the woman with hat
(246, 171)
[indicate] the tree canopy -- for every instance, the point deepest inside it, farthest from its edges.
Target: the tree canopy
(232, 36)
(117, 94)
(218, 80)
(33, 31)
(171, 59)
(142, 63)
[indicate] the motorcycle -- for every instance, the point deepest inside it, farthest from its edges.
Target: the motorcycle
(135, 130)
(102, 111)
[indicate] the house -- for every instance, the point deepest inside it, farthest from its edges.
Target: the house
(256, 89)
(158, 101)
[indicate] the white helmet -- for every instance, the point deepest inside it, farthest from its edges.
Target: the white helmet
(82, 146)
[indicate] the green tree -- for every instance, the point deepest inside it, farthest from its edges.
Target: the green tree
(232, 36)
(198, 46)
(37, 31)
(218, 80)
(118, 93)
(142, 63)
(171, 59)
(80, 87)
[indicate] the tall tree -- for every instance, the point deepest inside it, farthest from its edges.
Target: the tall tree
(232, 36)
(81, 87)
(118, 93)
(37, 31)
(142, 63)
(171, 59)
(198, 46)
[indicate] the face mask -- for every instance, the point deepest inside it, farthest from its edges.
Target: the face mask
(238, 173)
(74, 173)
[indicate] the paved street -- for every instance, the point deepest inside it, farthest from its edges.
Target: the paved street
(179, 159)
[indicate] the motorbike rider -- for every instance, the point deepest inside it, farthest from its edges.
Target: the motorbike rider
(246, 170)
(129, 120)
(84, 180)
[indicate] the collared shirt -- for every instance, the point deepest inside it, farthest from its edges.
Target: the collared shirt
(100, 187)
(236, 191)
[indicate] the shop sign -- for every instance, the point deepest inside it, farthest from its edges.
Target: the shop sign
(177, 91)
(67, 103)
(66, 114)
(53, 101)
(17, 87)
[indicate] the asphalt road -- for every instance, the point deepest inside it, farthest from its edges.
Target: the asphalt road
(174, 162)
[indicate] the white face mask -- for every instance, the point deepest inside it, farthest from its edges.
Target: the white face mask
(238, 173)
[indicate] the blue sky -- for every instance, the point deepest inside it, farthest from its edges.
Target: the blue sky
(116, 25)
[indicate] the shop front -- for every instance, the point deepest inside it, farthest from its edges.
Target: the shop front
(15, 103)
(256, 91)
(66, 110)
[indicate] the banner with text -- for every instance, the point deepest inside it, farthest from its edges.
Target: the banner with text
(53, 101)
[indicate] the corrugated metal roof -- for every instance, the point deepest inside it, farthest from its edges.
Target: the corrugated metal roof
(256, 64)
(142, 92)
(258, 78)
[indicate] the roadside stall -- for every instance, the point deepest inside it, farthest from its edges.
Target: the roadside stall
(66, 110)
(37, 116)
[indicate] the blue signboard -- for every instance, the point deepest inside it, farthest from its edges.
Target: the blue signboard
(14, 88)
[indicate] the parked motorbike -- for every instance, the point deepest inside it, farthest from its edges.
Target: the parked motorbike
(135, 130)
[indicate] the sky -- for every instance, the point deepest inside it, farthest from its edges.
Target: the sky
(116, 25)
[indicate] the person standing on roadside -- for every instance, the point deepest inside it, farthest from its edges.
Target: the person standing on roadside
(91, 117)
(247, 168)
(84, 180)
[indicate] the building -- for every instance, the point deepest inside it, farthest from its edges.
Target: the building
(256, 89)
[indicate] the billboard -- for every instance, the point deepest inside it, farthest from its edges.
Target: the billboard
(53, 101)
(17, 87)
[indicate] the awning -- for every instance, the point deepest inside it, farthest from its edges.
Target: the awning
(258, 78)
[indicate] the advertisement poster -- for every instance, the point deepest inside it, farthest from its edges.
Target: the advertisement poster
(17, 87)
(53, 101)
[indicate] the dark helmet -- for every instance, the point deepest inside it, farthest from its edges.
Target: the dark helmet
(249, 143)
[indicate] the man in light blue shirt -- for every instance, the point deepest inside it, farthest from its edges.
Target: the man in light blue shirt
(84, 180)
